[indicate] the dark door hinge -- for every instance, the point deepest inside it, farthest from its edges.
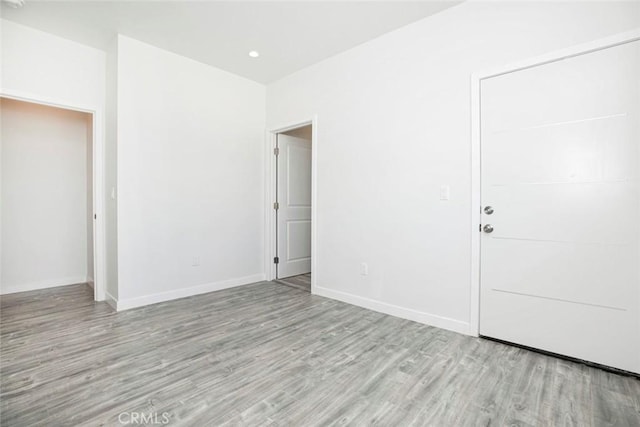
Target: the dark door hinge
(276, 205)
(276, 260)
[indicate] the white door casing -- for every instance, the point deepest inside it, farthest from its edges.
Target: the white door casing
(560, 165)
(294, 210)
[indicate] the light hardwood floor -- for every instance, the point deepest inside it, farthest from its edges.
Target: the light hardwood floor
(268, 354)
(301, 281)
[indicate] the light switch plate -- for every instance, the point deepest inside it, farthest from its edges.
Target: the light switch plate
(445, 192)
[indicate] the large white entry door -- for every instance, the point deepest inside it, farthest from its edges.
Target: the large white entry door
(294, 210)
(560, 146)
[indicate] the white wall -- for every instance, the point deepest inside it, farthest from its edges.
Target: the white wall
(43, 67)
(50, 67)
(44, 196)
(190, 141)
(394, 125)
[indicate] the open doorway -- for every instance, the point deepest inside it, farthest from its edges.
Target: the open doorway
(293, 207)
(47, 217)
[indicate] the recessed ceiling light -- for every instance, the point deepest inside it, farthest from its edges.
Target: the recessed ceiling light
(254, 54)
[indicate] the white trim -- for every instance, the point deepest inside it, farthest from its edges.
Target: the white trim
(111, 300)
(126, 304)
(270, 185)
(395, 310)
(476, 196)
(99, 250)
(51, 102)
(476, 202)
(269, 198)
(44, 284)
(314, 204)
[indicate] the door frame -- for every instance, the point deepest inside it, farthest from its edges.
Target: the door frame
(270, 238)
(476, 165)
(99, 242)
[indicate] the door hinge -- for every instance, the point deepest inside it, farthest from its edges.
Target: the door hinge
(276, 151)
(95, 216)
(276, 260)
(276, 205)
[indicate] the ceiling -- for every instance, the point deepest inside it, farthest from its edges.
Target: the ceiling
(288, 35)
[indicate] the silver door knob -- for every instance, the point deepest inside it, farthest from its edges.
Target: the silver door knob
(488, 210)
(488, 228)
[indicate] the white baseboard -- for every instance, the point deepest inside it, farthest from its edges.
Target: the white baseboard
(394, 310)
(111, 300)
(34, 286)
(126, 304)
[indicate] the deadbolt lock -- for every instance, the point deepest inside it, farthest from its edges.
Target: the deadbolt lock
(488, 210)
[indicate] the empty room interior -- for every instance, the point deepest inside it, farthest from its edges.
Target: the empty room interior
(310, 213)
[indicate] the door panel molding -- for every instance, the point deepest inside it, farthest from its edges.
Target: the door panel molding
(294, 198)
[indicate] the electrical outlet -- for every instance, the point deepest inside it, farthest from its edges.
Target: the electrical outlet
(364, 269)
(195, 261)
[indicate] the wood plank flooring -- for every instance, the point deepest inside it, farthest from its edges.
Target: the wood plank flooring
(301, 281)
(267, 354)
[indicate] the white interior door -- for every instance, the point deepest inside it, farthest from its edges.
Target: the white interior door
(560, 147)
(294, 211)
